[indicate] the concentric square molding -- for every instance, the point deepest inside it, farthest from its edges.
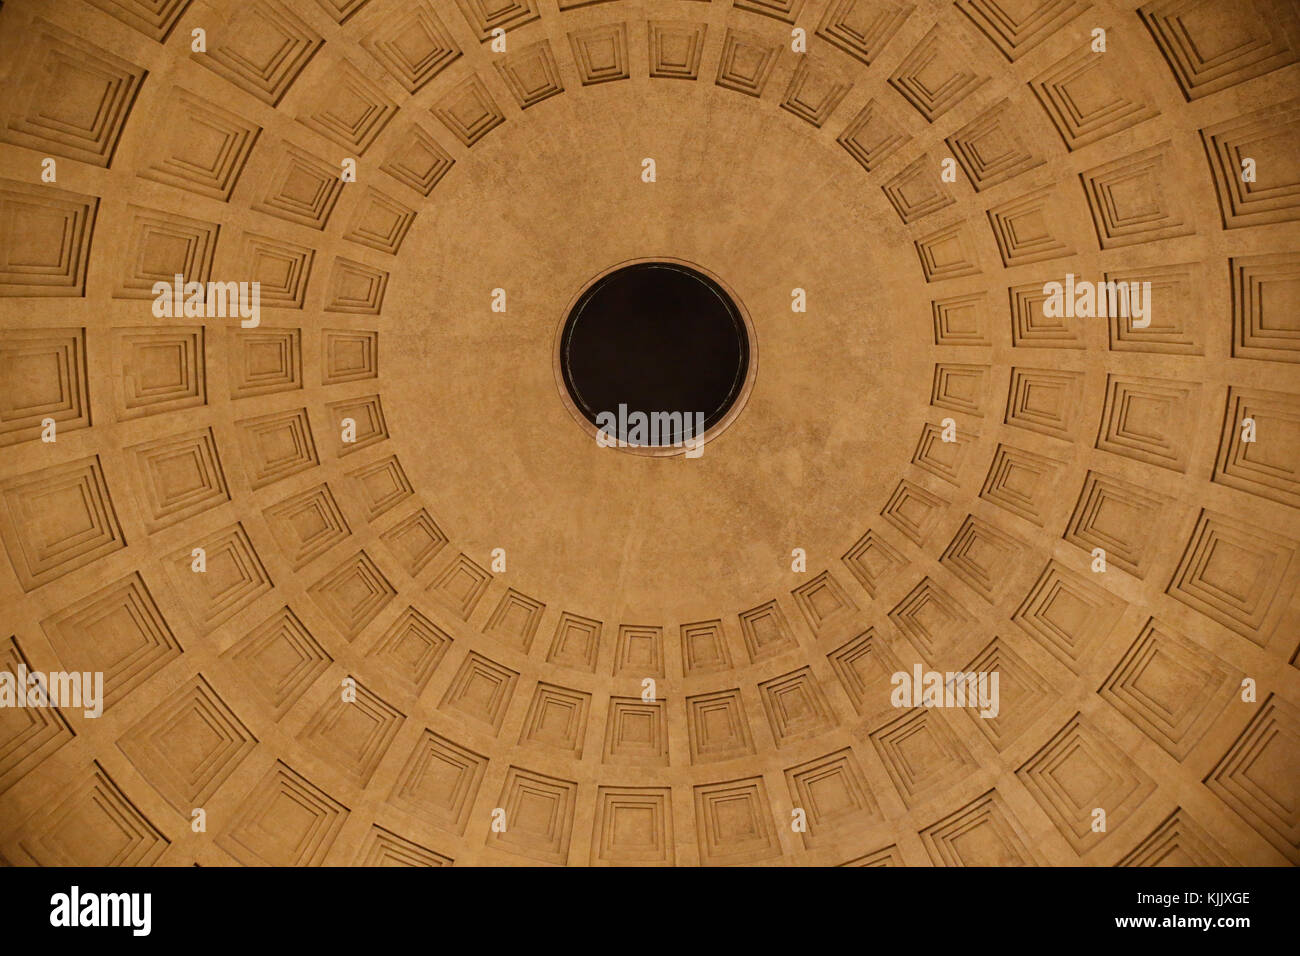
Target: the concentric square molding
(78, 97)
(991, 148)
(916, 191)
(94, 824)
(1015, 28)
(814, 92)
(286, 821)
(1175, 328)
(1068, 614)
(886, 856)
(636, 732)
(381, 485)
(1211, 48)
(913, 511)
(415, 541)
(931, 618)
(412, 648)
(303, 189)
(461, 585)
(198, 146)
(948, 253)
(161, 246)
(42, 375)
(733, 822)
(675, 49)
(163, 369)
(921, 754)
(980, 554)
(1266, 137)
(872, 137)
(787, 11)
(746, 62)
(385, 848)
(353, 734)
(1256, 779)
(717, 727)
(235, 577)
(1026, 229)
(282, 268)
(1261, 467)
(349, 355)
(188, 745)
(1178, 841)
(539, 813)
(871, 560)
(704, 647)
(943, 459)
(1022, 483)
(481, 691)
(440, 782)
(1047, 401)
(413, 47)
(1263, 303)
(58, 519)
(1118, 516)
(824, 602)
(276, 445)
(832, 791)
(864, 666)
(1023, 694)
(766, 631)
(380, 222)
(861, 28)
(417, 161)
(982, 833)
(1149, 420)
(278, 660)
(117, 630)
(795, 706)
(932, 76)
(52, 228)
(264, 361)
(341, 11)
(959, 386)
(1133, 200)
(468, 111)
(1030, 325)
(633, 827)
(262, 49)
(367, 413)
(1170, 688)
(557, 717)
(180, 476)
(1082, 769)
(1086, 101)
(576, 642)
(639, 651)
(1234, 573)
(353, 594)
(601, 53)
(28, 734)
(154, 18)
(531, 74)
(484, 16)
(356, 288)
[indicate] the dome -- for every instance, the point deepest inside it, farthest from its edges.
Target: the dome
(983, 551)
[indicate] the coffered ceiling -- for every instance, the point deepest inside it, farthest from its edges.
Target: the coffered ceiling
(494, 589)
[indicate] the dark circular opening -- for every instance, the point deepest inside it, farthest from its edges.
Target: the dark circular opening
(655, 338)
